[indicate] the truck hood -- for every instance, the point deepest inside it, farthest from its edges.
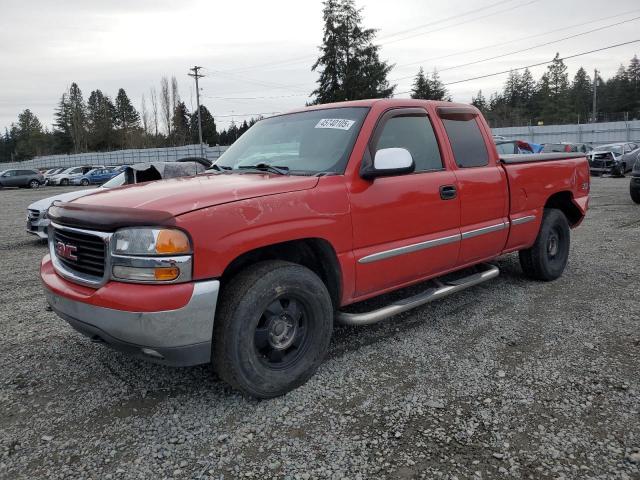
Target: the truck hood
(181, 195)
(42, 205)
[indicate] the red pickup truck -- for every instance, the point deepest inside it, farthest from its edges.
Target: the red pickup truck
(247, 265)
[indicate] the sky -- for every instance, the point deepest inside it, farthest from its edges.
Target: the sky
(257, 55)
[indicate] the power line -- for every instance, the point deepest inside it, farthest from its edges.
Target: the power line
(435, 22)
(532, 65)
(246, 114)
(526, 49)
(258, 98)
(500, 44)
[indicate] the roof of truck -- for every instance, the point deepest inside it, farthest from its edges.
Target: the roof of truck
(386, 102)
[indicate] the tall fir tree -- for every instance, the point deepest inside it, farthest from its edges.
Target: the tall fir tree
(349, 64)
(77, 112)
(127, 119)
(209, 132)
(180, 124)
(101, 115)
(479, 102)
(581, 94)
(29, 136)
(421, 86)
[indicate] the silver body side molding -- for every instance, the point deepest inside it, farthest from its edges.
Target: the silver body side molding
(409, 249)
(521, 220)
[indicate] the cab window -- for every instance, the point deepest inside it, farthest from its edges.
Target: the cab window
(467, 142)
(415, 133)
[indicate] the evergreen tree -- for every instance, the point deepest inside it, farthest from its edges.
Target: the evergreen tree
(633, 76)
(209, 132)
(101, 116)
(62, 138)
(580, 94)
(127, 119)
(479, 102)
(180, 124)
(512, 92)
(439, 91)
(349, 63)
(421, 86)
(77, 117)
(29, 136)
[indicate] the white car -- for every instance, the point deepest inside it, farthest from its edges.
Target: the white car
(64, 178)
(37, 221)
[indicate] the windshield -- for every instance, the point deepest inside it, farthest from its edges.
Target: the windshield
(116, 181)
(305, 143)
(610, 148)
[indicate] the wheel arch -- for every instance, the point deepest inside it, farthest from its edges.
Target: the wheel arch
(317, 254)
(564, 202)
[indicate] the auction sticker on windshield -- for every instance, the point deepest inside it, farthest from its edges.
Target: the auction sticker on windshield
(339, 123)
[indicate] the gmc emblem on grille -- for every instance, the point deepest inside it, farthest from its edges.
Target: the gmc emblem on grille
(66, 251)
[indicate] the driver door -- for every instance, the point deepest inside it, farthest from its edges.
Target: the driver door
(405, 227)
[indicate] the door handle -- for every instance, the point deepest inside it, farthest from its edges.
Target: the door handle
(448, 192)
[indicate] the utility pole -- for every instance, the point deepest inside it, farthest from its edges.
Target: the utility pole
(595, 95)
(196, 75)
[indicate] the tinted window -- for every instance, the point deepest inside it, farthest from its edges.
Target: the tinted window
(414, 133)
(467, 142)
(505, 147)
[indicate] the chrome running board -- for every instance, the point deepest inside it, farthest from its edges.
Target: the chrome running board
(441, 290)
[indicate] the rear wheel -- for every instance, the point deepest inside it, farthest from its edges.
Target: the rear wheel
(547, 258)
(635, 193)
(272, 329)
(34, 184)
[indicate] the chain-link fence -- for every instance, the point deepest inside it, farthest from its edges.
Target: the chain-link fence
(119, 157)
(592, 133)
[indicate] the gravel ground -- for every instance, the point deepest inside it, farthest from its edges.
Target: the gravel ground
(513, 379)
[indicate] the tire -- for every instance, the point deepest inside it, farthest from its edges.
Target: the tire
(635, 193)
(621, 170)
(64, 182)
(34, 184)
(547, 258)
(258, 346)
(84, 182)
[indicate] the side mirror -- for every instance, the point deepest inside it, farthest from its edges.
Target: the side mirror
(389, 162)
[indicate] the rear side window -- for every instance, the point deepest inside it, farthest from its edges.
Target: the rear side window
(469, 148)
(415, 133)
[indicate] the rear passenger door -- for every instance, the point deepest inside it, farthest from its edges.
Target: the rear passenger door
(405, 227)
(482, 187)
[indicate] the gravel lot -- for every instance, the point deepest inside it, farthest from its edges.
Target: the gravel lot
(512, 379)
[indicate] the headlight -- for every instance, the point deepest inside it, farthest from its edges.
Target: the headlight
(151, 255)
(151, 241)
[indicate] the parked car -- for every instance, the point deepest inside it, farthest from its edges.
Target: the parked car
(634, 185)
(64, 178)
(21, 178)
(518, 147)
(566, 147)
(247, 265)
(96, 176)
(614, 159)
(38, 222)
(51, 172)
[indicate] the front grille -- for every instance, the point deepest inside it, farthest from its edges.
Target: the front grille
(90, 252)
(34, 215)
(602, 160)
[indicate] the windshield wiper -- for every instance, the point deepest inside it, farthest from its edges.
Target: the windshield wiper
(219, 168)
(265, 167)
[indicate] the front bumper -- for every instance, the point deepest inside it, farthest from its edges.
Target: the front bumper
(38, 227)
(178, 337)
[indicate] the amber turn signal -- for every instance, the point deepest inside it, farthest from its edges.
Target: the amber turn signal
(166, 273)
(172, 242)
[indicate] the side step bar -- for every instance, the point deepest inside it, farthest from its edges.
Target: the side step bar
(441, 290)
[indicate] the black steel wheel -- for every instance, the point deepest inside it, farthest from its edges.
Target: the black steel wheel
(547, 258)
(272, 328)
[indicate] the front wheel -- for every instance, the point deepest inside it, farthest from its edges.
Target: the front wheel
(34, 184)
(64, 182)
(272, 329)
(84, 182)
(547, 258)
